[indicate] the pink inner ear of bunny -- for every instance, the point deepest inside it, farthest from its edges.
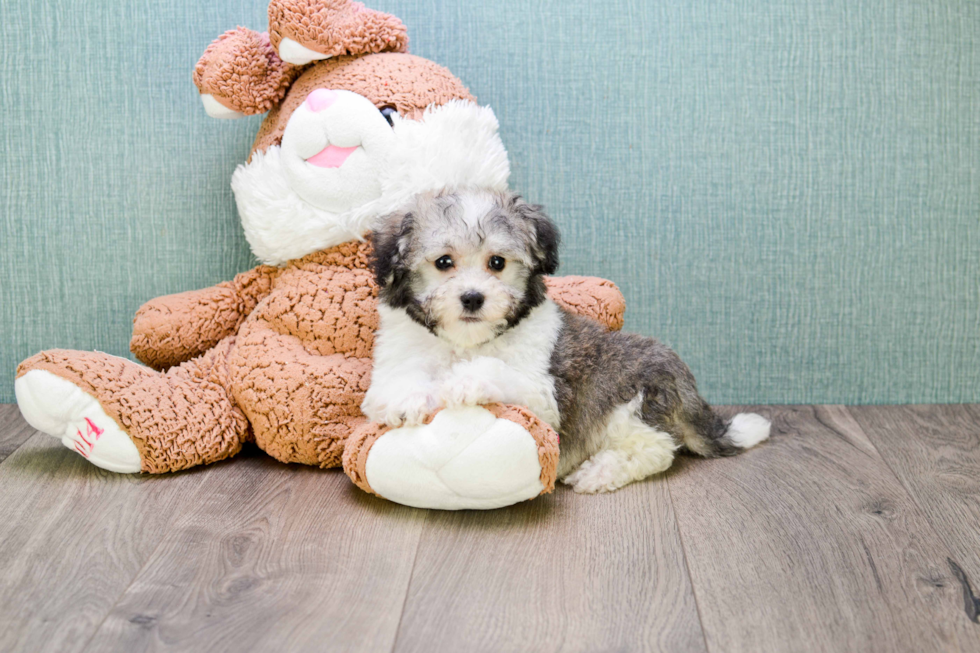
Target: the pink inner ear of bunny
(243, 72)
(336, 27)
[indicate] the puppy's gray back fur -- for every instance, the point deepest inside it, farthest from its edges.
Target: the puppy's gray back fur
(596, 371)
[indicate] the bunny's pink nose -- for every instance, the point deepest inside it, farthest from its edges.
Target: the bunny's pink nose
(320, 99)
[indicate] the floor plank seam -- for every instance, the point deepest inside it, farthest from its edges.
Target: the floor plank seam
(17, 448)
(687, 567)
(905, 488)
(972, 605)
(408, 585)
(11, 454)
(136, 575)
(908, 491)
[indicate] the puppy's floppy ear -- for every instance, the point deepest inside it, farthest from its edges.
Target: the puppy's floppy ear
(544, 247)
(389, 259)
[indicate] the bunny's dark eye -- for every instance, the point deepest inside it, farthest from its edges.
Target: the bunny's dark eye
(444, 262)
(496, 263)
(388, 112)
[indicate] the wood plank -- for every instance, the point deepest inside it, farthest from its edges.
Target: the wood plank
(935, 452)
(561, 573)
(14, 430)
(72, 538)
(273, 557)
(809, 542)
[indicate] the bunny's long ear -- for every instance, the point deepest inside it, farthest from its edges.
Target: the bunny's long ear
(240, 74)
(303, 31)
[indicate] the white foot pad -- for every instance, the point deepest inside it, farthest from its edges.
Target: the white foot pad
(466, 458)
(59, 408)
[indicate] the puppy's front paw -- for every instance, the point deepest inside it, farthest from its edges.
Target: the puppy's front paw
(470, 391)
(373, 407)
(410, 410)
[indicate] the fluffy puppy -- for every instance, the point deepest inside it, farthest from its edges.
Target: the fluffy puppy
(465, 320)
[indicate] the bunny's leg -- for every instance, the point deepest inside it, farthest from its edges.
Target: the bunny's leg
(127, 418)
(302, 405)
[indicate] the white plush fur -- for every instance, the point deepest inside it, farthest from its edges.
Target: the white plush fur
(454, 145)
(747, 430)
(278, 223)
(416, 373)
(61, 409)
(632, 450)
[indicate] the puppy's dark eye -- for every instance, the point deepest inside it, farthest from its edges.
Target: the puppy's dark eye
(388, 112)
(444, 262)
(497, 263)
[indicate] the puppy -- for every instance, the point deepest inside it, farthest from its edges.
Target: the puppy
(466, 320)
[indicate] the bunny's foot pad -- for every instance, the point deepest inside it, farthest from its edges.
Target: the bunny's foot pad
(476, 457)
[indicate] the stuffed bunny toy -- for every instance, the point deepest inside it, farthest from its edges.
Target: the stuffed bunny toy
(281, 354)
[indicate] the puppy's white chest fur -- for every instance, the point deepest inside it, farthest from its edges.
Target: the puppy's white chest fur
(410, 363)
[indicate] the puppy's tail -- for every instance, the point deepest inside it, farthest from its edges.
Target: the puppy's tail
(743, 431)
(708, 435)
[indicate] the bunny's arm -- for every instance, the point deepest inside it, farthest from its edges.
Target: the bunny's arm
(591, 297)
(172, 329)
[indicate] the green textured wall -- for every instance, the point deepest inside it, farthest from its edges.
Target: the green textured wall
(787, 192)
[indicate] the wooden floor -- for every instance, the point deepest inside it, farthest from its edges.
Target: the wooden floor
(853, 529)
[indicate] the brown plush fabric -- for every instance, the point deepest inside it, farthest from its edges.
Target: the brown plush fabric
(544, 436)
(403, 81)
(243, 72)
(336, 27)
(172, 329)
(589, 296)
(302, 360)
(177, 419)
(356, 453)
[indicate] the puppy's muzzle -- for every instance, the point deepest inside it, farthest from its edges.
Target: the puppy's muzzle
(472, 301)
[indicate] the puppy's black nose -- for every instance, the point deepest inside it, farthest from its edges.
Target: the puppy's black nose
(472, 301)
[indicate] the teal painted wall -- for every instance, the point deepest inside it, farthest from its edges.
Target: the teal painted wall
(787, 192)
